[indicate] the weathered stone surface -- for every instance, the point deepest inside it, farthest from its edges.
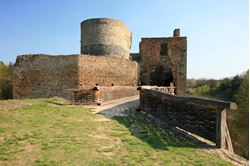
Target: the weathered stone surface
(37, 76)
(46, 76)
(114, 93)
(105, 36)
(101, 94)
(164, 60)
(106, 71)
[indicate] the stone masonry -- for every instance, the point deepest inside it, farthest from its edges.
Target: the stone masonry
(38, 76)
(101, 94)
(105, 36)
(106, 71)
(164, 60)
(104, 61)
(47, 76)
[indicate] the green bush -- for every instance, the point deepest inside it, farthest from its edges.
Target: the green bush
(6, 80)
(240, 119)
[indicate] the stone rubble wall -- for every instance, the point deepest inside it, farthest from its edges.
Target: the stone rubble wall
(106, 71)
(161, 58)
(85, 97)
(37, 76)
(114, 93)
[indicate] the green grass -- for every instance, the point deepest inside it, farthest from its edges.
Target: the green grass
(36, 132)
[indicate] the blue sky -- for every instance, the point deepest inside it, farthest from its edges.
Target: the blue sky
(217, 30)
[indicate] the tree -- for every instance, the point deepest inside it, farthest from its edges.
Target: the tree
(240, 126)
(231, 89)
(6, 80)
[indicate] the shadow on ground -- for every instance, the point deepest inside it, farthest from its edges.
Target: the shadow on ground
(124, 109)
(147, 131)
(58, 104)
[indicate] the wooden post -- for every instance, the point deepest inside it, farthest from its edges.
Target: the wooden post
(223, 139)
(218, 129)
(229, 145)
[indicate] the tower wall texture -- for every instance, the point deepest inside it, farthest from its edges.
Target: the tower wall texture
(105, 36)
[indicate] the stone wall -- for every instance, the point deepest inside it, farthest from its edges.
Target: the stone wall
(203, 117)
(164, 60)
(100, 95)
(114, 93)
(85, 96)
(38, 76)
(106, 71)
(105, 36)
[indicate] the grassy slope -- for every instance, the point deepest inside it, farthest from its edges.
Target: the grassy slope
(38, 133)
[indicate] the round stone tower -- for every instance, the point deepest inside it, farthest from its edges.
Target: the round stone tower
(105, 36)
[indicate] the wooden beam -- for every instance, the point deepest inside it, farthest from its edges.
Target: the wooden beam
(229, 145)
(223, 139)
(210, 103)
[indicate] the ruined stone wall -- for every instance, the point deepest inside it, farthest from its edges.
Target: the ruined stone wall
(114, 93)
(38, 76)
(164, 60)
(101, 95)
(105, 36)
(85, 97)
(106, 71)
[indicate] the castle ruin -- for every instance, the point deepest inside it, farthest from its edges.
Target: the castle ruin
(106, 70)
(105, 61)
(164, 61)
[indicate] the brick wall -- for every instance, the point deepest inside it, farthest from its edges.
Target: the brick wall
(114, 93)
(37, 76)
(90, 96)
(203, 117)
(106, 71)
(101, 95)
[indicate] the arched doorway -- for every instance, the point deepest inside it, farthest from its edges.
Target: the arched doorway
(161, 76)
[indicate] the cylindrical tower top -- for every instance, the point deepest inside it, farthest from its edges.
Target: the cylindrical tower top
(105, 36)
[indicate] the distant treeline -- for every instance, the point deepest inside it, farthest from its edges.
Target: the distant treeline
(231, 89)
(6, 81)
